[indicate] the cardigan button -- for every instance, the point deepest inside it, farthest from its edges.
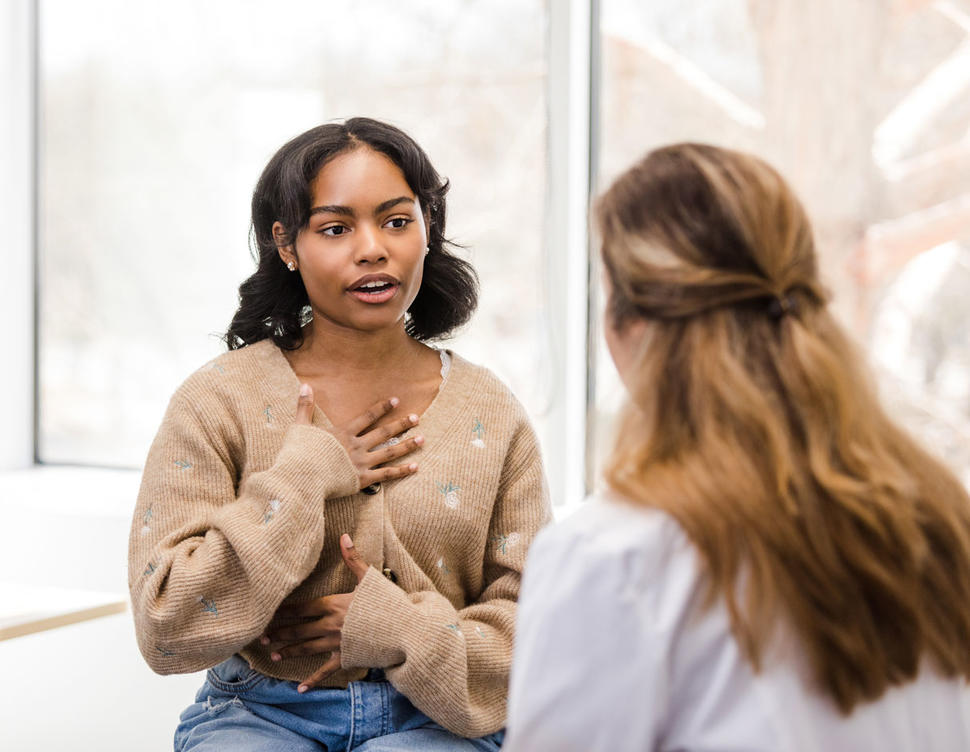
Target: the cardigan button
(372, 489)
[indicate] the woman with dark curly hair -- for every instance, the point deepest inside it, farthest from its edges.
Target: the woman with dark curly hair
(334, 515)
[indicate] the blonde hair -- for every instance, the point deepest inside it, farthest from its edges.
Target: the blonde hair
(757, 429)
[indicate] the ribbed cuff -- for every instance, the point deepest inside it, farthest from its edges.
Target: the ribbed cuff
(372, 635)
(312, 460)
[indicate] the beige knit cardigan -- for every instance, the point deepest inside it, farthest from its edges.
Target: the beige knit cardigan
(241, 511)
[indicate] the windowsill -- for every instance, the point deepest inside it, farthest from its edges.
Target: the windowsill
(58, 489)
(67, 527)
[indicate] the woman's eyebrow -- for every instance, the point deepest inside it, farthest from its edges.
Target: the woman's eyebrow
(332, 209)
(385, 205)
(349, 212)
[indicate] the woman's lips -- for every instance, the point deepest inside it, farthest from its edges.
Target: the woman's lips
(375, 295)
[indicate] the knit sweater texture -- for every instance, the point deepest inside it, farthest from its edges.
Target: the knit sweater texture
(240, 511)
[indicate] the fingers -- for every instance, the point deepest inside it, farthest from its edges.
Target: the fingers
(310, 647)
(352, 558)
(305, 631)
(332, 664)
(386, 454)
(371, 415)
(316, 607)
(362, 435)
(383, 474)
(386, 431)
(304, 406)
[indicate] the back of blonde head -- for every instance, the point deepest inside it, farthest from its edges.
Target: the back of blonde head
(758, 430)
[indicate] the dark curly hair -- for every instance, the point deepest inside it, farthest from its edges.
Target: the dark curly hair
(273, 302)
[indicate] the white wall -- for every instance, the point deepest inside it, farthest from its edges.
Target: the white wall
(84, 687)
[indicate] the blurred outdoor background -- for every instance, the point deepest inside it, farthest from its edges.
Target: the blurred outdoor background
(864, 106)
(146, 126)
(155, 121)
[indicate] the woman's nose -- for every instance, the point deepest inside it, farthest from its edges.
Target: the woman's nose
(369, 249)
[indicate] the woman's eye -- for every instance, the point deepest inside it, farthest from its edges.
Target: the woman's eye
(334, 230)
(399, 223)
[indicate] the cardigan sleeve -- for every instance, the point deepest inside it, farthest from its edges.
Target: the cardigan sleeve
(211, 559)
(454, 664)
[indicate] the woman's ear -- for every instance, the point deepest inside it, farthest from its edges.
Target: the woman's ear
(284, 247)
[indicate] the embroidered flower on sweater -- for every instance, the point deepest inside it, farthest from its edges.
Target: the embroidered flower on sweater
(442, 566)
(213, 366)
(479, 430)
(209, 605)
(454, 628)
(504, 542)
(145, 529)
(182, 464)
(149, 569)
(450, 492)
(480, 632)
(268, 412)
(164, 651)
(271, 508)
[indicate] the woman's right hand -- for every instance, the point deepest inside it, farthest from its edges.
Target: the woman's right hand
(363, 445)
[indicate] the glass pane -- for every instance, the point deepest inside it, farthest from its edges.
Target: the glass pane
(156, 122)
(865, 108)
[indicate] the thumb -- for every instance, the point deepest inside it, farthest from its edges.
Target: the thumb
(352, 558)
(304, 406)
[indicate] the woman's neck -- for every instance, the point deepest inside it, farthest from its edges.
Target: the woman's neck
(335, 351)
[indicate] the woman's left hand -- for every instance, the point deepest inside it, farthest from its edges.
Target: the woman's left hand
(321, 634)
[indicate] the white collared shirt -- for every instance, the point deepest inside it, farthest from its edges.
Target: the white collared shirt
(613, 655)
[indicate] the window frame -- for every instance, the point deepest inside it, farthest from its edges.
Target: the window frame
(572, 81)
(18, 217)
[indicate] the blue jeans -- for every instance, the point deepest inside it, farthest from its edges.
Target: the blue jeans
(242, 710)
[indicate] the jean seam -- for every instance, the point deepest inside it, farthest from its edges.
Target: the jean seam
(385, 710)
(352, 696)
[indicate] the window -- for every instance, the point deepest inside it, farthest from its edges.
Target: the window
(866, 112)
(156, 122)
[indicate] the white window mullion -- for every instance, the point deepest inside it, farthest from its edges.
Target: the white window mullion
(567, 241)
(17, 281)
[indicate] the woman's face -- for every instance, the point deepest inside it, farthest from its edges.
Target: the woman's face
(361, 256)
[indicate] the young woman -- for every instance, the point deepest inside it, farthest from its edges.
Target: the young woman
(334, 516)
(776, 565)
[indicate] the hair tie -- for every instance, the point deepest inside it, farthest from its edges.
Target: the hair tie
(778, 307)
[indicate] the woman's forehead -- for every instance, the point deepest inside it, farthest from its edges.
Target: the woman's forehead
(362, 175)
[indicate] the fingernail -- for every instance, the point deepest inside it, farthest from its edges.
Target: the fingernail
(419, 440)
(347, 541)
(413, 418)
(264, 640)
(304, 390)
(302, 688)
(412, 467)
(276, 657)
(394, 401)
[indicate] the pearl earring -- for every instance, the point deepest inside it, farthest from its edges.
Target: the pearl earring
(427, 250)
(291, 266)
